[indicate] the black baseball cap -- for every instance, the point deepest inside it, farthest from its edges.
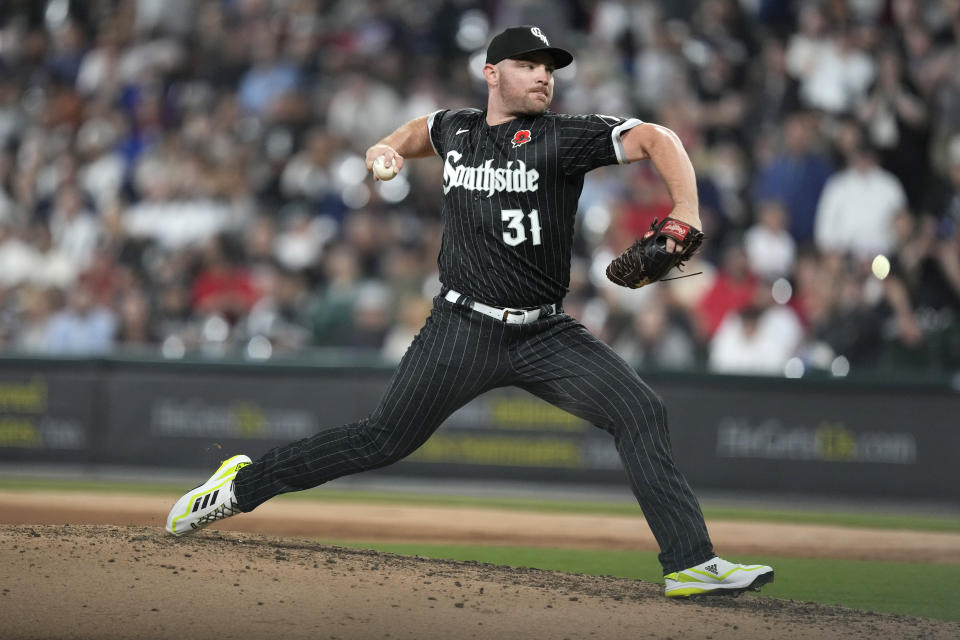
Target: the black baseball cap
(516, 41)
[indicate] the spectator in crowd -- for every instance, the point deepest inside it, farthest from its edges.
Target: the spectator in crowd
(259, 239)
(657, 338)
(944, 100)
(923, 293)
(360, 101)
(82, 328)
(927, 62)
(104, 170)
(402, 269)
(135, 330)
(770, 247)
(307, 176)
(173, 315)
(371, 318)
(52, 267)
(837, 74)
(74, 230)
(770, 90)
(280, 314)
(332, 312)
(845, 319)
(301, 239)
(796, 176)
(896, 124)
(99, 72)
(733, 288)
(37, 305)
(943, 201)
(103, 276)
(269, 78)
(759, 338)
(808, 42)
(720, 104)
(858, 206)
(223, 285)
(18, 259)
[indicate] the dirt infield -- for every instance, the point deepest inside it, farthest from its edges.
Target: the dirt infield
(103, 582)
(371, 523)
(129, 579)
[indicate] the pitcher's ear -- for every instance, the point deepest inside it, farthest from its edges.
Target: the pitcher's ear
(492, 74)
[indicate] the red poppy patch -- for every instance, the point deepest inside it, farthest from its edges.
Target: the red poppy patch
(521, 137)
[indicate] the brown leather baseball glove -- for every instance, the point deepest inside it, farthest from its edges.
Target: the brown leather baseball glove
(648, 259)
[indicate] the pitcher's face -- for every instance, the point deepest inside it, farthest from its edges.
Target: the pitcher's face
(526, 85)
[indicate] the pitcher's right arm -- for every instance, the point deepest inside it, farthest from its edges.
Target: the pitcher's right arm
(411, 140)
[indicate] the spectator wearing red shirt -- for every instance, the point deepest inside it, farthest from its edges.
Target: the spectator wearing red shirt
(224, 285)
(733, 289)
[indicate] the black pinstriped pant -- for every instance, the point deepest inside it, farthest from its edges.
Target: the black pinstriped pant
(460, 354)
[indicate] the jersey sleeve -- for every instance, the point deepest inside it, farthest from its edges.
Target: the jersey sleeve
(435, 128)
(591, 141)
(440, 122)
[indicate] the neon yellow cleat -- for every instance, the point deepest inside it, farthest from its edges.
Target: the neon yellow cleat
(211, 501)
(717, 577)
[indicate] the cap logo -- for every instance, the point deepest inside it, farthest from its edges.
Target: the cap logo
(538, 33)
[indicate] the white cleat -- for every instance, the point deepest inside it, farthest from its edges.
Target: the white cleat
(211, 501)
(717, 577)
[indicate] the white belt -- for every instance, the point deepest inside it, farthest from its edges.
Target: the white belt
(509, 316)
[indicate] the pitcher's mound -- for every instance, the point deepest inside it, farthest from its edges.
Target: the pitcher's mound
(101, 582)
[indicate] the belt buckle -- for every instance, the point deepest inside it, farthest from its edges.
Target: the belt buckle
(515, 312)
(526, 315)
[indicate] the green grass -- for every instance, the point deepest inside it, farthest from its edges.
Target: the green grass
(869, 520)
(916, 589)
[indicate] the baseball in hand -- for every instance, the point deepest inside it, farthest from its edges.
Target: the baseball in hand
(382, 171)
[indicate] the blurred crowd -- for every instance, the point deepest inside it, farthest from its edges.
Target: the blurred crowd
(186, 176)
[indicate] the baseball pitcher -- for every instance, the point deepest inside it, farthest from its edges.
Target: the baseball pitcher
(512, 175)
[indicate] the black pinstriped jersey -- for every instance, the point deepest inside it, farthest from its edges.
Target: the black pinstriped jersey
(510, 196)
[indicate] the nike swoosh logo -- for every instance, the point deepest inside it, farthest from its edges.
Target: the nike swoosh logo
(461, 131)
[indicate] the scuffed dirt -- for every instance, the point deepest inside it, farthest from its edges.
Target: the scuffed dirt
(102, 582)
(469, 525)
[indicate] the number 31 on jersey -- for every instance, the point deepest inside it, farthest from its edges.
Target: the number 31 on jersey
(515, 232)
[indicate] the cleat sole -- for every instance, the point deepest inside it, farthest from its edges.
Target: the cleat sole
(756, 585)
